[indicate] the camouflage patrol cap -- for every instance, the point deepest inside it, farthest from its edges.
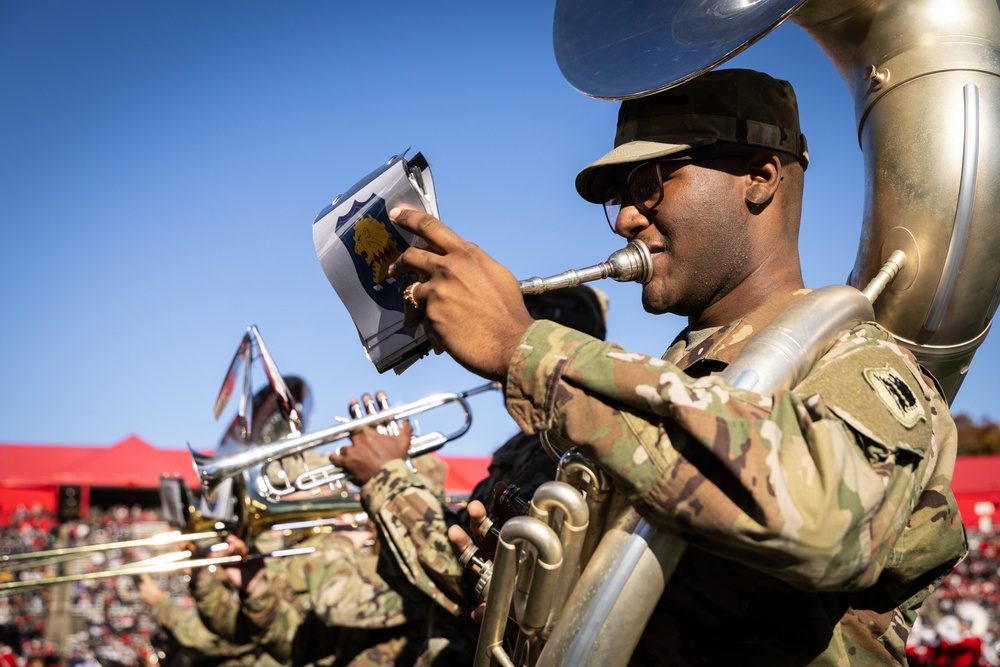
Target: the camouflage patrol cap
(725, 108)
(583, 308)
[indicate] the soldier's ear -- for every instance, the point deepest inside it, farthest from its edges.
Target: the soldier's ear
(762, 180)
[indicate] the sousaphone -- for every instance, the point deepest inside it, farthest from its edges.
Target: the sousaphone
(923, 75)
(924, 78)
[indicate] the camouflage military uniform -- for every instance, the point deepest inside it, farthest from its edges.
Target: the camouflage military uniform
(190, 632)
(217, 604)
(412, 524)
(328, 607)
(818, 519)
(413, 528)
(220, 610)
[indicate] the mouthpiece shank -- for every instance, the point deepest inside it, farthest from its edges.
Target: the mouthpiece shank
(631, 263)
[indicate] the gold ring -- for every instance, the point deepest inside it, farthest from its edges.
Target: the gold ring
(408, 295)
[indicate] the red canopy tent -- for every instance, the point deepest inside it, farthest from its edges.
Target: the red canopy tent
(33, 474)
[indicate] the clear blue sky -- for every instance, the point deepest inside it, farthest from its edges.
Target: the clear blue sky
(161, 165)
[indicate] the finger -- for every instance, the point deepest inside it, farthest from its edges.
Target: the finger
(439, 236)
(477, 511)
(337, 459)
(411, 316)
(236, 545)
(479, 613)
(435, 342)
(413, 310)
(421, 262)
(459, 538)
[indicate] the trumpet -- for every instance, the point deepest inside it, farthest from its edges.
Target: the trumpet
(213, 470)
(632, 263)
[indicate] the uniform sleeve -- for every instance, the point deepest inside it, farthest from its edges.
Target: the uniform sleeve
(346, 591)
(815, 486)
(270, 618)
(412, 526)
(187, 628)
(217, 604)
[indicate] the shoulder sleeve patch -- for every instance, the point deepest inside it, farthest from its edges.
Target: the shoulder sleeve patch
(875, 391)
(895, 394)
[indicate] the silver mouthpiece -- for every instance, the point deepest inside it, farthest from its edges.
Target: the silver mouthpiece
(630, 264)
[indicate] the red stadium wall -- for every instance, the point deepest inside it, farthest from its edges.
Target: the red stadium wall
(45, 497)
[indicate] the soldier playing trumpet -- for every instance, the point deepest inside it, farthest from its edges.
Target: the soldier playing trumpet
(413, 525)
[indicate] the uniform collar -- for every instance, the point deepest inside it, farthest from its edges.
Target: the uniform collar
(704, 352)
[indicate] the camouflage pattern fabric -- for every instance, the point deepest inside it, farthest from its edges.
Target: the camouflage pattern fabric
(412, 531)
(716, 111)
(217, 604)
(190, 632)
(412, 527)
(328, 607)
(818, 519)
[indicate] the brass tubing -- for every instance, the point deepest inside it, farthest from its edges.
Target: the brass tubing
(180, 562)
(173, 537)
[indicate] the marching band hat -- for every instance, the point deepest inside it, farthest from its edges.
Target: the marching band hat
(729, 108)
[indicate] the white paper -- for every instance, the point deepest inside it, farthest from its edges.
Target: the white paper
(355, 243)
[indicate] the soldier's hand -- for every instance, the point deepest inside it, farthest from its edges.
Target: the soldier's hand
(470, 305)
(370, 450)
(241, 574)
(149, 591)
(460, 541)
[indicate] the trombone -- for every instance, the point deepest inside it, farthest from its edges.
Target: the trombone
(253, 516)
(170, 562)
(252, 519)
(30, 560)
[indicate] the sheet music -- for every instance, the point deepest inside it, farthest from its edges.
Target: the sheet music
(355, 243)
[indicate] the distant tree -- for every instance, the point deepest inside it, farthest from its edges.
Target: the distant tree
(977, 439)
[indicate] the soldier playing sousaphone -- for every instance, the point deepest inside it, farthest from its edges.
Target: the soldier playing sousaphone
(818, 518)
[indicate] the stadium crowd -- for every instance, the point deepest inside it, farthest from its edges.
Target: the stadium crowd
(958, 624)
(106, 623)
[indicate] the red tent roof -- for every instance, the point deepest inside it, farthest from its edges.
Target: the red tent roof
(131, 463)
(134, 463)
(464, 472)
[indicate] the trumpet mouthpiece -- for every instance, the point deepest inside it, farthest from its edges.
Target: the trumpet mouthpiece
(632, 263)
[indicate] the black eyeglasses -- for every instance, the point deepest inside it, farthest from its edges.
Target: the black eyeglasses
(644, 186)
